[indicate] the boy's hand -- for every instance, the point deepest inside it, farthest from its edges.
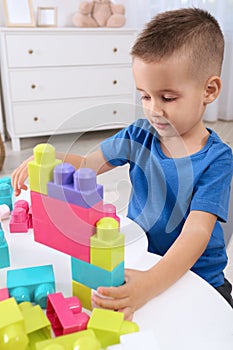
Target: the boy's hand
(19, 176)
(127, 298)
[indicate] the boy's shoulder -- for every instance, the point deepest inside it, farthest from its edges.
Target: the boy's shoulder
(216, 147)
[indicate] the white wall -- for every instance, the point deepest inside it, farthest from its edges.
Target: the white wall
(66, 9)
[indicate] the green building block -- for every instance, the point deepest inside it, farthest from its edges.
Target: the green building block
(83, 340)
(37, 325)
(83, 293)
(12, 327)
(107, 245)
(109, 325)
(40, 170)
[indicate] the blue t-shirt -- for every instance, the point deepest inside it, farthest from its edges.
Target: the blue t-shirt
(165, 190)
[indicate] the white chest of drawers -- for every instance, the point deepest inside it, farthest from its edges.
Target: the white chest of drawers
(66, 80)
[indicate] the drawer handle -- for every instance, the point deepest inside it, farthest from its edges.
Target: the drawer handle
(114, 82)
(33, 86)
(114, 112)
(35, 119)
(115, 49)
(30, 51)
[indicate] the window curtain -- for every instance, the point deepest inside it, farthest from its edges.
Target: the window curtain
(141, 11)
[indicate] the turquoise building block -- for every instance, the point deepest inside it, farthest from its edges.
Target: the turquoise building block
(31, 284)
(4, 251)
(6, 180)
(93, 276)
(6, 194)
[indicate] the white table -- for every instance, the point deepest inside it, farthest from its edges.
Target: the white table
(189, 315)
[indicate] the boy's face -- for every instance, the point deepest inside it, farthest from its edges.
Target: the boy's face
(172, 97)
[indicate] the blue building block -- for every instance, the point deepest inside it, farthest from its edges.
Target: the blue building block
(31, 284)
(6, 194)
(6, 180)
(76, 187)
(4, 251)
(93, 276)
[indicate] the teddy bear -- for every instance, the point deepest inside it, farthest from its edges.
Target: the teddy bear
(99, 13)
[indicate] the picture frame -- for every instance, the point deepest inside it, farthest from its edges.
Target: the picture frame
(47, 16)
(18, 13)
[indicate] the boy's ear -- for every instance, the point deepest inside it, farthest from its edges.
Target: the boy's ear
(212, 89)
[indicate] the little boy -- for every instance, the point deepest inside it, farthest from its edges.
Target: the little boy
(180, 171)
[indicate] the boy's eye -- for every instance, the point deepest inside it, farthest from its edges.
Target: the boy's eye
(145, 98)
(168, 99)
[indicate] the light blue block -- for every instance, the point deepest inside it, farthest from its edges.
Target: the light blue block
(6, 194)
(31, 284)
(4, 251)
(93, 276)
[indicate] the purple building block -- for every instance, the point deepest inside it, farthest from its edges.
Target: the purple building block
(76, 187)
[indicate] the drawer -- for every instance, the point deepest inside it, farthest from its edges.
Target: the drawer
(49, 84)
(46, 49)
(44, 118)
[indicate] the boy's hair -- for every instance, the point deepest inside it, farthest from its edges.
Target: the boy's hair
(188, 30)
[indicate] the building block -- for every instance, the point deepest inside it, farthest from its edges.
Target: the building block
(6, 194)
(40, 170)
(6, 180)
(83, 340)
(19, 221)
(37, 325)
(30, 225)
(107, 245)
(109, 210)
(65, 314)
(76, 187)
(4, 294)
(31, 284)
(4, 212)
(109, 325)
(51, 229)
(4, 251)
(12, 327)
(83, 293)
(93, 276)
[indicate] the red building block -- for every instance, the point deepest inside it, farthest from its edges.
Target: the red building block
(65, 314)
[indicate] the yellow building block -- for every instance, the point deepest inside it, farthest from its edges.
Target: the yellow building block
(40, 170)
(83, 293)
(37, 325)
(12, 327)
(83, 340)
(107, 245)
(109, 325)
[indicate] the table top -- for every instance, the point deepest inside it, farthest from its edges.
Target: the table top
(189, 315)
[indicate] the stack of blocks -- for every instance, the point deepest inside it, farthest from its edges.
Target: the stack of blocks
(69, 215)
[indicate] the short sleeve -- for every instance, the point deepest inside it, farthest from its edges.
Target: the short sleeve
(212, 190)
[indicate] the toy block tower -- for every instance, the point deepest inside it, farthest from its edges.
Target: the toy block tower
(69, 215)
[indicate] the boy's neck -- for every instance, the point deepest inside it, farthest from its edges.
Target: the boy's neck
(183, 146)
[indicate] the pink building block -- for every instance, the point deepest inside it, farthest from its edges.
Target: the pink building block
(4, 294)
(61, 226)
(19, 221)
(65, 314)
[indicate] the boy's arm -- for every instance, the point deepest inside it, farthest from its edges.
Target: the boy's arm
(141, 286)
(95, 161)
